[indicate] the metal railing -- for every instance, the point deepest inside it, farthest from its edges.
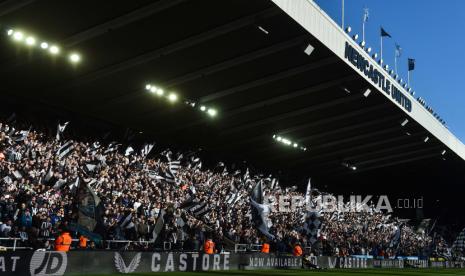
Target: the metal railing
(108, 244)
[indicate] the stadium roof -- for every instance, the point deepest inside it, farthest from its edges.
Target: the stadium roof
(245, 58)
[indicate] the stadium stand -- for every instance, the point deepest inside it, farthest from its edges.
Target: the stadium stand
(41, 175)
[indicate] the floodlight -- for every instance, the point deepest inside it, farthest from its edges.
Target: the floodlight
(153, 89)
(44, 45)
(212, 112)
(54, 50)
(30, 41)
(426, 139)
(443, 152)
(75, 58)
(148, 86)
(10, 32)
(18, 36)
(295, 145)
(172, 97)
(348, 29)
(160, 92)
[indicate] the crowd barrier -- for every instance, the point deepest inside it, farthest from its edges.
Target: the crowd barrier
(109, 262)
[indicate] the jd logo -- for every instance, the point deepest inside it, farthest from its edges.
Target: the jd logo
(121, 266)
(48, 263)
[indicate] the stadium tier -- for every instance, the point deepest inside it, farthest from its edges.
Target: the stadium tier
(194, 135)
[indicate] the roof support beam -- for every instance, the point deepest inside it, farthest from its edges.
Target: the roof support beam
(268, 79)
(301, 140)
(353, 159)
(294, 113)
(315, 158)
(403, 161)
(10, 6)
(312, 124)
(121, 21)
(172, 48)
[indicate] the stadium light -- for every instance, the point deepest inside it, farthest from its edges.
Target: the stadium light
(10, 32)
(203, 108)
(426, 139)
(374, 56)
(148, 86)
(44, 45)
(355, 37)
(172, 97)
(75, 58)
(18, 36)
(367, 93)
(288, 142)
(54, 50)
(348, 29)
(30, 41)
(160, 92)
(212, 112)
(443, 152)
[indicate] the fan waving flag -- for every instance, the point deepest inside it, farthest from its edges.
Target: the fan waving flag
(411, 64)
(90, 207)
(260, 211)
(384, 33)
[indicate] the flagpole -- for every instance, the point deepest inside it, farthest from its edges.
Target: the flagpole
(342, 15)
(408, 78)
(381, 49)
(363, 30)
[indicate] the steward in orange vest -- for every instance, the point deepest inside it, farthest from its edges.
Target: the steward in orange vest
(297, 251)
(82, 242)
(63, 242)
(265, 248)
(209, 246)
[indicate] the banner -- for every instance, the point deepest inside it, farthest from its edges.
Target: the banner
(41, 263)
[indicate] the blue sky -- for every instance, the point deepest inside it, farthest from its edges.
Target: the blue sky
(430, 31)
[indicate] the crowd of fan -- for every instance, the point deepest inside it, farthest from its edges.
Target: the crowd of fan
(37, 199)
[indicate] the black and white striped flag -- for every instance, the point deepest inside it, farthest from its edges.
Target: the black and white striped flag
(197, 208)
(126, 222)
(65, 150)
(173, 168)
(60, 130)
(459, 244)
(146, 149)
